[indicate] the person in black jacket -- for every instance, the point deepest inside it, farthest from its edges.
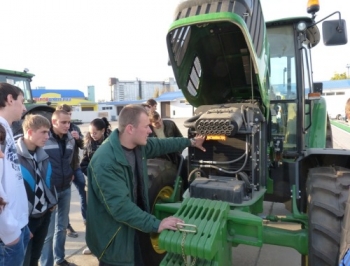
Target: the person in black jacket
(60, 148)
(79, 179)
(99, 130)
(163, 128)
(168, 129)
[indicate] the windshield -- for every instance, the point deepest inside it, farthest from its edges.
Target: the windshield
(282, 53)
(22, 82)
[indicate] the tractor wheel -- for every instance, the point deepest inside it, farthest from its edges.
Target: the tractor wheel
(345, 236)
(327, 191)
(162, 175)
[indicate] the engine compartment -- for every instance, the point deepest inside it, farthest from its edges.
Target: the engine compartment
(229, 169)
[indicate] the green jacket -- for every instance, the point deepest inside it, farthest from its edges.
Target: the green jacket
(112, 215)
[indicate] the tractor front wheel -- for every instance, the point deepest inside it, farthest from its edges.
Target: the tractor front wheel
(162, 175)
(327, 191)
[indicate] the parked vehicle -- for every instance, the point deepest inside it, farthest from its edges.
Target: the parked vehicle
(268, 137)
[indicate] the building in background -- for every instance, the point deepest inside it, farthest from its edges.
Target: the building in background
(133, 90)
(336, 93)
(170, 105)
(75, 98)
(91, 93)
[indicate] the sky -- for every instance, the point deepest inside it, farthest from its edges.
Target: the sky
(72, 44)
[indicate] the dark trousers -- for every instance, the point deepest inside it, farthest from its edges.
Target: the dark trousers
(79, 182)
(38, 227)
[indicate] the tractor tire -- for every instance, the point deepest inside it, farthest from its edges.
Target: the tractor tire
(345, 235)
(327, 191)
(162, 175)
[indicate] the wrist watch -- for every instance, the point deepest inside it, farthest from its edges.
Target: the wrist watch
(193, 142)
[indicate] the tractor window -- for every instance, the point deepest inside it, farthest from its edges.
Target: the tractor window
(20, 82)
(283, 123)
(282, 61)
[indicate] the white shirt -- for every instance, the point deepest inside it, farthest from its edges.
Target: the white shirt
(15, 214)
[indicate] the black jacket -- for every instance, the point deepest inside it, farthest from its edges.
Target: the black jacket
(60, 153)
(89, 150)
(170, 130)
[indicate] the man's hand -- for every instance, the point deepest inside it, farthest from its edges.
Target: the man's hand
(169, 223)
(75, 134)
(198, 142)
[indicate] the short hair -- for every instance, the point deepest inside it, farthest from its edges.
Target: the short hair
(64, 107)
(347, 107)
(7, 89)
(151, 102)
(130, 114)
(35, 122)
(2, 134)
(57, 113)
(154, 116)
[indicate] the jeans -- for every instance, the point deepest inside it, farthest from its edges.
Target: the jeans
(53, 250)
(38, 227)
(14, 254)
(79, 182)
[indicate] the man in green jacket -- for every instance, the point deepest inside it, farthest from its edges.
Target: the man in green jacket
(118, 189)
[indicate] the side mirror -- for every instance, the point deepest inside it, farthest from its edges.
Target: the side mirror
(318, 87)
(334, 32)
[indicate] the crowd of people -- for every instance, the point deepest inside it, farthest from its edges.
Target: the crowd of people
(37, 171)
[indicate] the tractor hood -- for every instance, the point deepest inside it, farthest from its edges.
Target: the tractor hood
(218, 51)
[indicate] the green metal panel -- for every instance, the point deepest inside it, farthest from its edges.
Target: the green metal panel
(316, 136)
(16, 73)
(209, 219)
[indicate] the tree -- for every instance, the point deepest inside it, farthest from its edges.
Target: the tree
(338, 76)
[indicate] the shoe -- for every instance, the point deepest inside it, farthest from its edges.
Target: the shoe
(71, 232)
(86, 251)
(65, 263)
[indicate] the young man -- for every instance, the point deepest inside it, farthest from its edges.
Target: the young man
(118, 189)
(79, 178)
(163, 128)
(36, 170)
(60, 148)
(14, 232)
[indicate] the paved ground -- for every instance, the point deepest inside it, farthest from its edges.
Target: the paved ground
(242, 255)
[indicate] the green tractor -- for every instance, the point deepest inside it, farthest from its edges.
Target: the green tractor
(22, 80)
(268, 137)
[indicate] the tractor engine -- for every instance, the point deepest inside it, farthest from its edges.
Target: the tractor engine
(229, 169)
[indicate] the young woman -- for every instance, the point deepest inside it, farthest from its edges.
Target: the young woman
(99, 130)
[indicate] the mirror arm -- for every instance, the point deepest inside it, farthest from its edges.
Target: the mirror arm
(340, 26)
